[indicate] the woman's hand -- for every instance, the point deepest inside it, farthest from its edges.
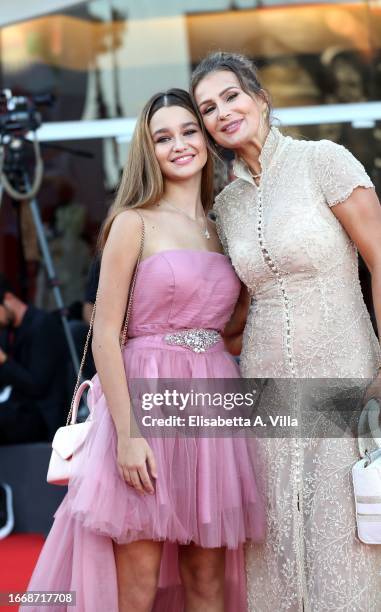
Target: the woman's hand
(233, 344)
(135, 460)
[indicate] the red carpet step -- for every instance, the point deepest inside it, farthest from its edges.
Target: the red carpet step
(18, 556)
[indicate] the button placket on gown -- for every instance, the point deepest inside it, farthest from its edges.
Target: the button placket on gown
(298, 449)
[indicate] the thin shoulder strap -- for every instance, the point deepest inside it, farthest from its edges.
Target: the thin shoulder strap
(123, 335)
(132, 285)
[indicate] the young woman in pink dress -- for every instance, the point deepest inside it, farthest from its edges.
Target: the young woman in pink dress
(158, 523)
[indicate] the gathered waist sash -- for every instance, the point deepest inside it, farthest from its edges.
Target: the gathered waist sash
(195, 340)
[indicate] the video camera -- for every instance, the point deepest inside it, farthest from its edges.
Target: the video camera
(19, 114)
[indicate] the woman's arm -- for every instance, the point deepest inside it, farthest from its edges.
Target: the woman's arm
(118, 263)
(360, 215)
(233, 331)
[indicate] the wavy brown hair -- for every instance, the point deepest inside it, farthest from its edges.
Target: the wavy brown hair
(142, 182)
(243, 68)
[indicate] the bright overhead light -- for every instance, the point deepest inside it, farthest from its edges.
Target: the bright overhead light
(360, 115)
(363, 124)
(329, 113)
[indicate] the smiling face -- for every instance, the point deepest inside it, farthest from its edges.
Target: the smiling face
(179, 144)
(232, 117)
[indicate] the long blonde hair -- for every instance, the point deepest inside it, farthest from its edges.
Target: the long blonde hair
(142, 182)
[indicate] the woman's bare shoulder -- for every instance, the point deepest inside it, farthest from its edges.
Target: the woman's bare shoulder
(126, 229)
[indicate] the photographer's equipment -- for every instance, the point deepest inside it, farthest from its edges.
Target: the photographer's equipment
(19, 116)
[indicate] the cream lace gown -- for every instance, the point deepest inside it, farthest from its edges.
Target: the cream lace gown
(307, 320)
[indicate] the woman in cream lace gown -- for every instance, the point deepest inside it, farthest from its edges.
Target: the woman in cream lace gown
(290, 223)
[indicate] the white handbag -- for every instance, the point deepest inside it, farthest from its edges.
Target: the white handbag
(366, 475)
(69, 440)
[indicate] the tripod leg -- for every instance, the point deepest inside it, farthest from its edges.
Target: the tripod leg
(53, 281)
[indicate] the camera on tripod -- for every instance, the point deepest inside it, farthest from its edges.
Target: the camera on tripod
(19, 114)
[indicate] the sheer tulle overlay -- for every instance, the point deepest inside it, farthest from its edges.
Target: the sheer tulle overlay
(205, 491)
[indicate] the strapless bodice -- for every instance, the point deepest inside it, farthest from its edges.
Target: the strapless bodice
(183, 289)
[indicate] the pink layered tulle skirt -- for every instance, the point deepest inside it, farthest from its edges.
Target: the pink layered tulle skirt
(205, 493)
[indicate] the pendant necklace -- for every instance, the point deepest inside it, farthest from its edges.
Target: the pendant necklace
(205, 231)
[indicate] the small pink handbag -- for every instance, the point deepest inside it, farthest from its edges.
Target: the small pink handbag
(69, 440)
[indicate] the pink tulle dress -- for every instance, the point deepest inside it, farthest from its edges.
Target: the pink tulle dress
(205, 491)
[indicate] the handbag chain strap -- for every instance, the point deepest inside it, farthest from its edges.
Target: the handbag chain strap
(123, 335)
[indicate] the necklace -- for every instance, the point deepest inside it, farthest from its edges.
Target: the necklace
(205, 231)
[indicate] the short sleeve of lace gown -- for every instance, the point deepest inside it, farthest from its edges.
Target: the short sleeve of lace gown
(338, 172)
(218, 215)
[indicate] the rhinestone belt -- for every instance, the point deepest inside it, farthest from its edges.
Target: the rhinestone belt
(197, 340)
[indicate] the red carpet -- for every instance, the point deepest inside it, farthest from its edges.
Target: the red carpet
(18, 555)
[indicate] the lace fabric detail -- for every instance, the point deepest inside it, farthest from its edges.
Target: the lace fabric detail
(338, 172)
(311, 560)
